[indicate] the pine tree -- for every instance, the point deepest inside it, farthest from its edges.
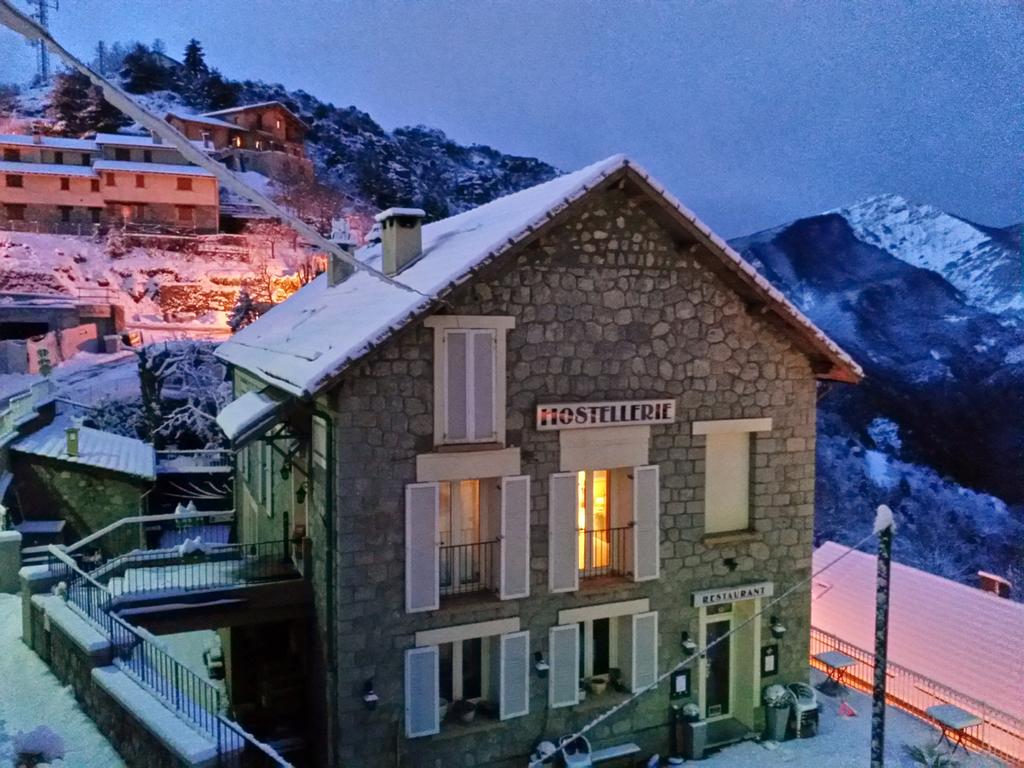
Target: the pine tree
(143, 73)
(68, 103)
(243, 313)
(220, 93)
(194, 75)
(101, 116)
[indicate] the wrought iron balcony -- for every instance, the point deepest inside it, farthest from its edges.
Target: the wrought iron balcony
(604, 552)
(468, 568)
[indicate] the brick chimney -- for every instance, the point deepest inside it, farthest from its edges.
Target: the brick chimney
(401, 237)
(997, 585)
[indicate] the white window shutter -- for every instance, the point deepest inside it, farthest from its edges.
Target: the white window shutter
(564, 660)
(563, 547)
(514, 698)
(484, 371)
(421, 691)
(646, 524)
(645, 650)
(515, 537)
(456, 392)
(421, 547)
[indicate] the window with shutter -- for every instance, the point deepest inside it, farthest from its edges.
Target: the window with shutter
(563, 554)
(470, 358)
(422, 542)
(421, 692)
(644, 651)
(647, 524)
(564, 660)
(515, 537)
(515, 675)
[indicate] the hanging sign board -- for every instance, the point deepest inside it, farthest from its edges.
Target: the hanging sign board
(709, 597)
(616, 413)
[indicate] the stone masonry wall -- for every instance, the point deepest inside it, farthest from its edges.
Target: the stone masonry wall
(607, 307)
(87, 498)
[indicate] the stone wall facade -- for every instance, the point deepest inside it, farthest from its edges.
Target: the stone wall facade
(607, 307)
(88, 498)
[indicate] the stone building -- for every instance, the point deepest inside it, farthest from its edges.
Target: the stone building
(577, 432)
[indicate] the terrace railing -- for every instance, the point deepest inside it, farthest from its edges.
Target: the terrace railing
(138, 655)
(1000, 734)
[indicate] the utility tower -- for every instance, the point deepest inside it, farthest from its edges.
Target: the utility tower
(41, 13)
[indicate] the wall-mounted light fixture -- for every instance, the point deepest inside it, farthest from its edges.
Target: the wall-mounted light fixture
(286, 471)
(540, 665)
(777, 627)
(688, 645)
(370, 697)
(300, 494)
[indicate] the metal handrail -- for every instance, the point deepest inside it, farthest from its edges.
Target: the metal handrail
(177, 687)
(137, 519)
(1000, 734)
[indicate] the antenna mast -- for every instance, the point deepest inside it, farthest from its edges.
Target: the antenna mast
(41, 13)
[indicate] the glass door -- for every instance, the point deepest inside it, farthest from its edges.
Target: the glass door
(460, 534)
(717, 666)
(593, 521)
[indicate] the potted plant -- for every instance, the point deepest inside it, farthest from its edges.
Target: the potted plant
(777, 702)
(464, 710)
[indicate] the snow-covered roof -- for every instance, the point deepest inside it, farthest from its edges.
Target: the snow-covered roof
(301, 344)
(399, 212)
(128, 140)
(962, 637)
(47, 169)
(245, 418)
(260, 105)
(96, 448)
(206, 120)
(50, 142)
(132, 167)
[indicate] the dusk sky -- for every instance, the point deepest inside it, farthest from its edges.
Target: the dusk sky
(752, 113)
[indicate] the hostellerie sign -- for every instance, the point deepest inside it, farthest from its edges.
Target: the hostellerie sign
(709, 597)
(608, 414)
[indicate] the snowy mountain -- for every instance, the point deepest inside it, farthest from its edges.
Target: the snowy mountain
(983, 262)
(935, 426)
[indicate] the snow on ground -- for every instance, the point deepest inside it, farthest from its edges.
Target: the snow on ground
(845, 742)
(31, 696)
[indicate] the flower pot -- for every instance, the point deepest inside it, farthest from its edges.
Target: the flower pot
(776, 720)
(598, 685)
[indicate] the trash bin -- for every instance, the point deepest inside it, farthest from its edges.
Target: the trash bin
(696, 740)
(689, 732)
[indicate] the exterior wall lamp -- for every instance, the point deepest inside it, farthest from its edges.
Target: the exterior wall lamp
(300, 494)
(540, 665)
(777, 627)
(688, 645)
(370, 697)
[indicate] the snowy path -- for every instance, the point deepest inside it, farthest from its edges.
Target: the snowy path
(844, 742)
(31, 696)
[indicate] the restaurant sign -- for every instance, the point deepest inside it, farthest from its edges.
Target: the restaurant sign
(617, 413)
(709, 597)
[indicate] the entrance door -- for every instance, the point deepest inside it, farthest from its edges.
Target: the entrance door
(593, 522)
(717, 667)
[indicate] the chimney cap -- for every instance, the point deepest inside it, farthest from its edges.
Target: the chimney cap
(418, 213)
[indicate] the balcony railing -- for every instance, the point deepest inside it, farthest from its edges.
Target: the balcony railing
(468, 568)
(603, 552)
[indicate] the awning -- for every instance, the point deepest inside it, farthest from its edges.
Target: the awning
(250, 416)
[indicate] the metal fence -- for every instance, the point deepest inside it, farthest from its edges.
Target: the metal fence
(1000, 734)
(468, 568)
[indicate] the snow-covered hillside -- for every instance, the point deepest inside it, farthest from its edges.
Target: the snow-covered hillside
(982, 262)
(936, 423)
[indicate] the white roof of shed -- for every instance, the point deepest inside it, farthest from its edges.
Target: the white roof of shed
(302, 343)
(50, 142)
(95, 449)
(132, 167)
(47, 169)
